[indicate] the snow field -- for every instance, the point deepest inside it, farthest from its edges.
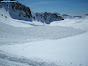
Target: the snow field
(65, 43)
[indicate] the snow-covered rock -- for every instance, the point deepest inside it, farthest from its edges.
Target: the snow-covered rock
(47, 17)
(17, 10)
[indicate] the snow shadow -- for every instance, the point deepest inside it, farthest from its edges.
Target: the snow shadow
(8, 60)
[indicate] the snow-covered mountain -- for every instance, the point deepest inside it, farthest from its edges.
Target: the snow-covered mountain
(47, 17)
(22, 12)
(17, 10)
(66, 16)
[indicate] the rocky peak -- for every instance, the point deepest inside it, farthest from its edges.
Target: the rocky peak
(24, 10)
(48, 17)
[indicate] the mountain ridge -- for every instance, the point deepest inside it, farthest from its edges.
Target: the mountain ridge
(22, 12)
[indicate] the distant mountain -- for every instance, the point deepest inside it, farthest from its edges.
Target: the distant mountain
(86, 15)
(77, 16)
(57, 13)
(66, 16)
(22, 12)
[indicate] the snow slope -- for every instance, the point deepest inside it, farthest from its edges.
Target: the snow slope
(7, 19)
(23, 43)
(76, 23)
(71, 51)
(62, 43)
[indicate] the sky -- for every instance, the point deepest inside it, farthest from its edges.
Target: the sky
(71, 7)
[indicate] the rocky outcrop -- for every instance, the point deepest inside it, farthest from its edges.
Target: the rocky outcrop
(23, 10)
(47, 17)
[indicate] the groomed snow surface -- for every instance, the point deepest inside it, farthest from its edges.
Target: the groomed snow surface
(62, 43)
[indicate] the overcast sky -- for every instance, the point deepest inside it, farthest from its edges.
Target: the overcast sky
(72, 7)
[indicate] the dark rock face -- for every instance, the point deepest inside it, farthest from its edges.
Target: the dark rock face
(48, 17)
(86, 14)
(22, 8)
(17, 10)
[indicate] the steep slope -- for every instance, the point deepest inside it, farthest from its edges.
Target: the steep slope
(7, 19)
(21, 10)
(17, 10)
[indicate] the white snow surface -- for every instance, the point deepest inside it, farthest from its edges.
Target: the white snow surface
(62, 43)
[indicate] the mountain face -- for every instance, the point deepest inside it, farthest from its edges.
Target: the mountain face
(17, 10)
(47, 17)
(22, 12)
